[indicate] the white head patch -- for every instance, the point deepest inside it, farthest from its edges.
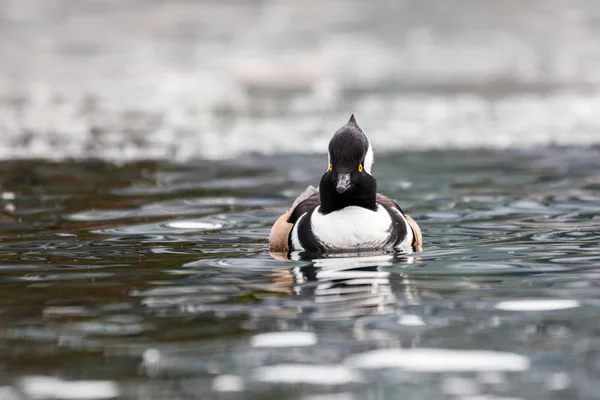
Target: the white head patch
(369, 158)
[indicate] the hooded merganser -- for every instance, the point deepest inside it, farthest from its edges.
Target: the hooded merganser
(346, 212)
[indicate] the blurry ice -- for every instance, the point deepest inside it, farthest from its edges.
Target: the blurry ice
(46, 387)
(334, 396)
(457, 386)
(439, 360)
(228, 383)
(411, 320)
(308, 374)
(152, 361)
(9, 393)
(558, 381)
(284, 339)
(537, 305)
(242, 77)
(151, 356)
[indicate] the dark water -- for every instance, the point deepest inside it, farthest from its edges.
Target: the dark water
(152, 280)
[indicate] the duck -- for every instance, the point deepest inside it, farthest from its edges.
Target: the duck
(345, 213)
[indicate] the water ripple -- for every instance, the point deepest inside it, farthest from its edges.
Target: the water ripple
(170, 227)
(157, 282)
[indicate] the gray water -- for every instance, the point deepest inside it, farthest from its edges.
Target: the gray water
(153, 280)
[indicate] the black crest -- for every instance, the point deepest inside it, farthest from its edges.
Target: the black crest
(349, 145)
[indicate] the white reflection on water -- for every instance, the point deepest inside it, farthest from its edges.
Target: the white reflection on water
(46, 387)
(284, 339)
(537, 305)
(411, 320)
(308, 374)
(439, 360)
(228, 383)
(346, 285)
(170, 227)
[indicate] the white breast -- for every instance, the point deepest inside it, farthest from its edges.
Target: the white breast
(352, 227)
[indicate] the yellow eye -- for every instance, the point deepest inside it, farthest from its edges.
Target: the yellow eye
(360, 168)
(330, 167)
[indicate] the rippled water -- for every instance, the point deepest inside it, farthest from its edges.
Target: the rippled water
(152, 280)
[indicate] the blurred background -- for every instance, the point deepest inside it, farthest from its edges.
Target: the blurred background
(182, 79)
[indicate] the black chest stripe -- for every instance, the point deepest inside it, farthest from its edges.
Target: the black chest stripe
(305, 234)
(398, 226)
(304, 207)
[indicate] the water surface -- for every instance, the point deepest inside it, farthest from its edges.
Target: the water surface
(152, 280)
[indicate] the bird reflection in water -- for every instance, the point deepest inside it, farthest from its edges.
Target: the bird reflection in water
(346, 285)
